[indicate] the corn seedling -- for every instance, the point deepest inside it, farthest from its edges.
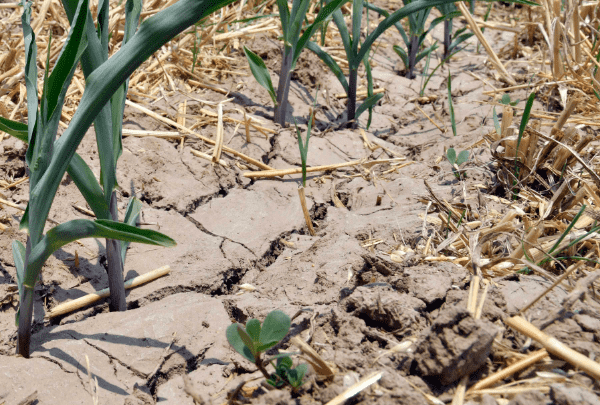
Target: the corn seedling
(452, 42)
(456, 161)
(294, 41)
(253, 340)
(48, 158)
(450, 105)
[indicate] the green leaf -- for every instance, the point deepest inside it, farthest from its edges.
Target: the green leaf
(299, 9)
(369, 102)
(88, 186)
(496, 122)
(284, 16)
(505, 99)
(248, 342)
(451, 155)
(325, 12)
(330, 62)
(18, 251)
(402, 53)
(14, 128)
(296, 375)
(462, 157)
(77, 229)
(154, 32)
(261, 73)
(134, 207)
(357, 16)
(407, 10)
(235, 340)
(450, 105)
(275, 327)
(253, 329)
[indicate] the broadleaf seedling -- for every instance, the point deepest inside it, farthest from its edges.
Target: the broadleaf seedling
(253, 340)
(457, 161)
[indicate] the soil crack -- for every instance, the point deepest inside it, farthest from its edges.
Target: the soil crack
(135, 371)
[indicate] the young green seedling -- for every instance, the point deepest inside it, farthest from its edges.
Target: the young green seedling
(506, 100)
(253, 340)
(451, 105)
(48, 158)
(524, 122)
(456, 161)
(294, 41)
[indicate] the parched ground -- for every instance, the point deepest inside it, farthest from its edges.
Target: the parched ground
(362, 288)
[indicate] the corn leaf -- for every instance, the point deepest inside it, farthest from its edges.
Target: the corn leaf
(369, 102)
(30, 83)
(134, 207)
(299, 9)
(403, 12)
(154, 32)
(450, 105)
(261, 73)
(330, 62)
(338, 19)
(357, 16)
(19, 258)
(103, 6)
(321, 18)
(14, 128)
(88, 186)
(284, 16)
(77, 229)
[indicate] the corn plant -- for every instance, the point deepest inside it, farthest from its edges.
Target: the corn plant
(451, 105)
(294, 41)
(357, 52)
(303, 145)
(452, 42)
(48, 158)
(254, 339)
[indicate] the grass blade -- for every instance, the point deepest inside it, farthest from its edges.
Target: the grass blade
(450, 106)
(261, 73)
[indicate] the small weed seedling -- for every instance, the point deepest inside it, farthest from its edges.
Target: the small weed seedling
(456, 161)
(255, 339)
(507, 101)
(450, 105)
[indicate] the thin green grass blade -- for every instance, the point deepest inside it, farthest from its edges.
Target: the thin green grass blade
(330, 62)
(568, 230)
(398, 25)
(261, 73)
(497, 125)
(30, 82)
(524, 122)
(102, 28)
(402, 54)
(370, 89)
(450, 105)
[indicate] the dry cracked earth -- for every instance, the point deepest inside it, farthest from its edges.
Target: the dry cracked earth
(355, 302)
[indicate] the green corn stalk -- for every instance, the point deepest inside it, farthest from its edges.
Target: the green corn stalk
(356, 54)
(48, 158)
(108, 127)
(294, 41)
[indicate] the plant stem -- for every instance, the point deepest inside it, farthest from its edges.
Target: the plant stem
(447, 37)
(283, 89)
(115, 266)
(25, 313)
(412, 56)
(352, 83)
